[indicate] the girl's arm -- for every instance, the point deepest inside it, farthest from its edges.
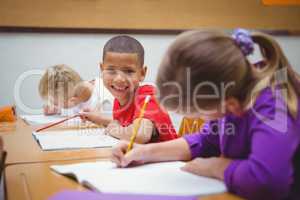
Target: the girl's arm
(173, 150)
(191, 146)
(177, 149)
(206, 143)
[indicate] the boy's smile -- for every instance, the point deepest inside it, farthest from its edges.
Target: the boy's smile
(122, 74)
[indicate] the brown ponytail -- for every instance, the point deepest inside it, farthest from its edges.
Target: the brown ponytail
(214, 57)
(277, 71)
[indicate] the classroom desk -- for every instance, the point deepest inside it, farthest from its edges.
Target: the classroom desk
(36, 181)
(22, 148)
(7, 127)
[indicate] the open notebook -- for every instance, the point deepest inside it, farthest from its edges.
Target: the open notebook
(164, 178)
(43, 119)
(74, 139)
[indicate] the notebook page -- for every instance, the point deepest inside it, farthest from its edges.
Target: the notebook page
(43, 119)
(154, 179)
(74, 139)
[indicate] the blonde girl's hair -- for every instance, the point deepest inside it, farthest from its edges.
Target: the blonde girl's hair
(212, 56)
(58, 81)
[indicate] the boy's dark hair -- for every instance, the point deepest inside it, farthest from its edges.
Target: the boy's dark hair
(124, 44)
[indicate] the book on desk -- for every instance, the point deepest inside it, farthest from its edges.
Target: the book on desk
(165, 178)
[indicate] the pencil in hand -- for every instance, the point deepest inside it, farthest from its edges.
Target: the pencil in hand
(138, 124)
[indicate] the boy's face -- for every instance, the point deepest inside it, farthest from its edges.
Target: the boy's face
(122, 73)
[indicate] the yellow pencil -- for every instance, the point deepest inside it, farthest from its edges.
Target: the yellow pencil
(138, 124)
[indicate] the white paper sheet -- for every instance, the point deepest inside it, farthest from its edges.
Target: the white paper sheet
(43, 119)
(74, 139)
(159, 178)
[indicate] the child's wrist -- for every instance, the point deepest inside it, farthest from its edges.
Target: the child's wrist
(105, 121)
(220, 166)
(147, 152)
(113, 129)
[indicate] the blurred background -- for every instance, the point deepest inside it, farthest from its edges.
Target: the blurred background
(37, 34)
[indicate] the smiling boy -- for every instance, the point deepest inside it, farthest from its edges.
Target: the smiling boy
(123, 70)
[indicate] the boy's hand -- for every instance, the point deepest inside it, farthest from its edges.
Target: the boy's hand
(136, 156)
(211, 167)
(113, 127)
(87, 115)
(125, 132)
(94, 116)
(51, 110)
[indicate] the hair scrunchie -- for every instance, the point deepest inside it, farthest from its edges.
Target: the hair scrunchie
(244, 41)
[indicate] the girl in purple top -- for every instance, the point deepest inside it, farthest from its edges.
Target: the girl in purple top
(252, 138)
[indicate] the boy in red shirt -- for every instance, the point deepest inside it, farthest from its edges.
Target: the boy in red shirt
(123, 70)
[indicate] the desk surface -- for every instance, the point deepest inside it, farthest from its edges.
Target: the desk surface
(36, 181)
(22, 148)
(7, 127)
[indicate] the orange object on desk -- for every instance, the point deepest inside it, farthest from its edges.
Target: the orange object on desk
(7, 114)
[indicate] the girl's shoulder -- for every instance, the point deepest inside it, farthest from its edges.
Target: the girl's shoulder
(271, 104)
(268, 97)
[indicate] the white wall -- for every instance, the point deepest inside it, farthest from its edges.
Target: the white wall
(23, 52)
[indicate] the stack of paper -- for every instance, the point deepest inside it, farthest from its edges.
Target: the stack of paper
(154, 179)
(74, 139)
